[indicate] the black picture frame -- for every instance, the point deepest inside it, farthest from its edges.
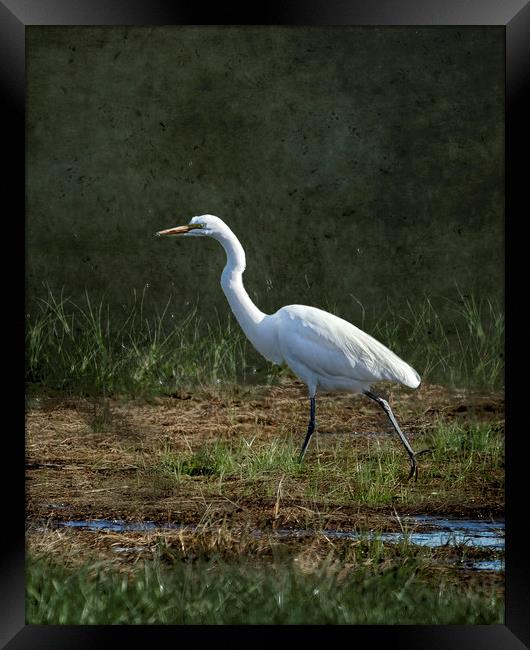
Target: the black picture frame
(15, 16)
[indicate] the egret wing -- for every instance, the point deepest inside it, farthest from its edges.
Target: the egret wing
(331, 346)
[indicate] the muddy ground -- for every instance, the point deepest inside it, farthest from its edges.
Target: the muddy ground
(89, 459)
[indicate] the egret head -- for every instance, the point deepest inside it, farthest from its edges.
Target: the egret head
(207, 225)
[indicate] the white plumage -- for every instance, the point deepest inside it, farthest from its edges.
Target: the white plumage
(328, 352)
(323, 350)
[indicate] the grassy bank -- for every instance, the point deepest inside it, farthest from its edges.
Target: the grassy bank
(181, 459)
(368, 471)
(78, 349)
(218, 592)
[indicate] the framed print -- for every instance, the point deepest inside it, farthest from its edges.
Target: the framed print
(296, 423)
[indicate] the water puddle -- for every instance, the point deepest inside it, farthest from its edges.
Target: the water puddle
(435, 532)
(485, 565)
(442, 532)
(470, 532)
(118, 526)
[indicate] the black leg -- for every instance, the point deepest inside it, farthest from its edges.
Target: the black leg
(310, 429)
(412, 455)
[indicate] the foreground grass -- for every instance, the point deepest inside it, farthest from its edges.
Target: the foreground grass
(79, 349)
(217, 592)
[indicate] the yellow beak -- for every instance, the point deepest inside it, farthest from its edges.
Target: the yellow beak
(179, 230)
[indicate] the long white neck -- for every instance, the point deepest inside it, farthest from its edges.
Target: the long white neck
(246, 312)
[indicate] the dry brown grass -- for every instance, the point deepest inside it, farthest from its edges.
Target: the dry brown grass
(76, 472)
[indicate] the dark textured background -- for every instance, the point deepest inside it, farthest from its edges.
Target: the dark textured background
(354, 161)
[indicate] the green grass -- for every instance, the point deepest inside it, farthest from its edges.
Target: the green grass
(218, 592)
(464, 348)
(79, 349)
(466, 452)
(368, 472)
(473, 441)
(240, 459)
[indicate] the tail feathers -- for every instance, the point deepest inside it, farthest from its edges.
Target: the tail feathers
(412, 379)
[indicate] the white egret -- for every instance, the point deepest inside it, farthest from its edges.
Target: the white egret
(323, 350)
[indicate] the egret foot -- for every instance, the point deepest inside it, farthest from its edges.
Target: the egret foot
(414, 464)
